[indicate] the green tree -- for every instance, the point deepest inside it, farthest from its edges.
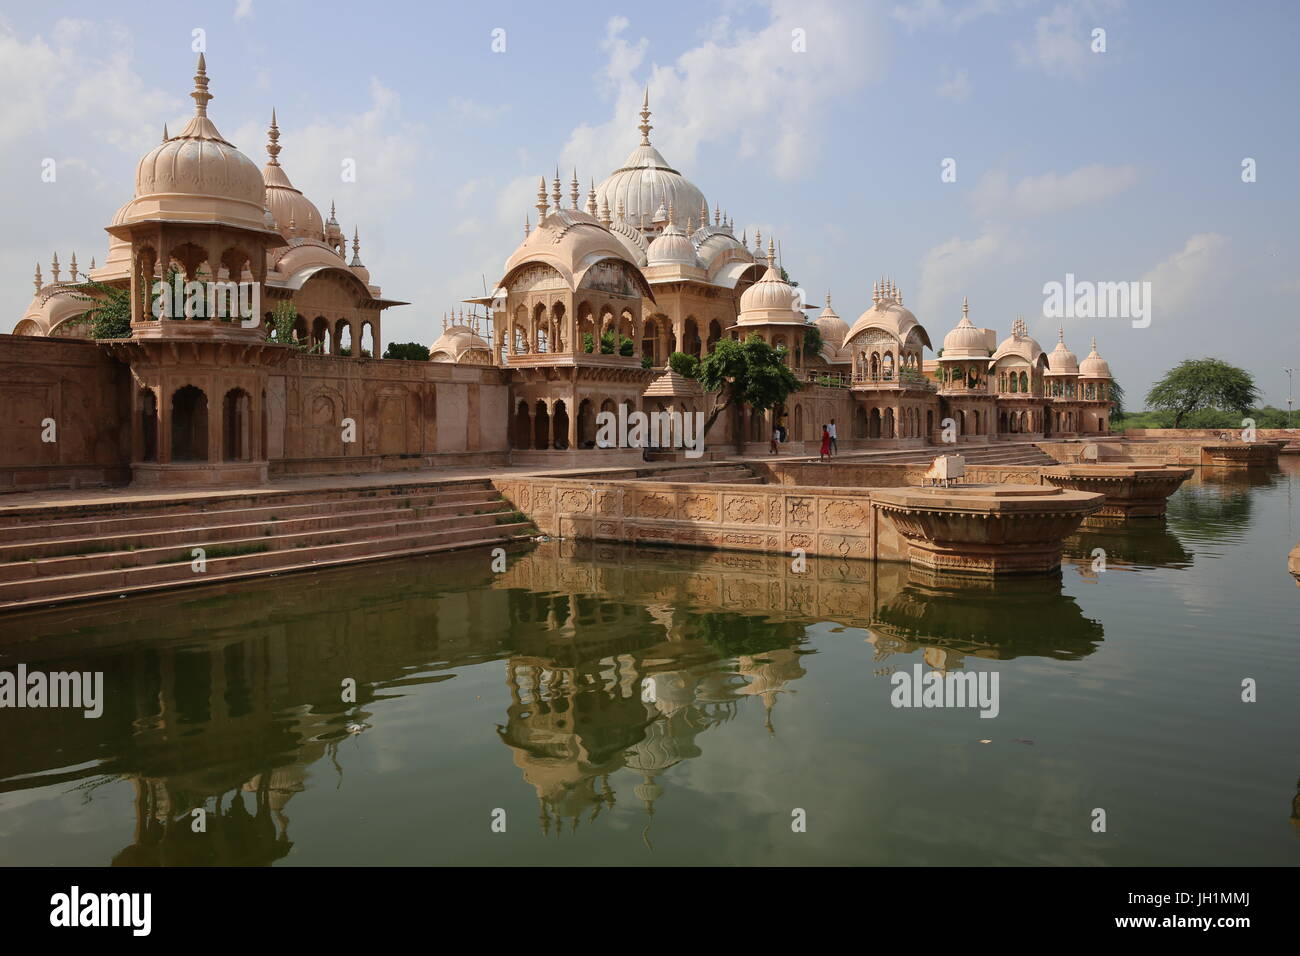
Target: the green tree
(109, 315)
(412, 351)
(607, 343)
(685, 365)
(746, 373)
(1194, 384)
(280, 328)
(1116, 396)
(625, 346)
(812, 341)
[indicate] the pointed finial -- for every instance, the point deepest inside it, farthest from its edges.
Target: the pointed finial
(758, 242)
(965, 308)
(201, 95)
(771, 254)
(605, 219)
(165, 136)
(875, 291)
(92, 263)
(541, 200)
(356, 247)
(828, 300)
(574, 191)
(39, 281)
(527, 225)
(54, 267)
(73, 276)
(645, 126)
(1094, 343)
(273, 146)
(333, 221)
(672, 213)
(591, 199)
(555, 189)
(621, 210)
(1060, 335)
(717, 215)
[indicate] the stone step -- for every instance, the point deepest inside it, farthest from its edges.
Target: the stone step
(87, 528)
(127, 507)
(234, 527)
(269, 539)
(388, 538)
(384, 550)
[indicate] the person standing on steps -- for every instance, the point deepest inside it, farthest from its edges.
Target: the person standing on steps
(835, 447)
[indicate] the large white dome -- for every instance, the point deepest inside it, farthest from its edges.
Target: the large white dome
(645, 183)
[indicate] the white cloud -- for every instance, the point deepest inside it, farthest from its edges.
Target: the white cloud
(1061, 44)
(243, 9)
(1189, 275)
(474, 110)
(1051, 192)
(955, 87)
(948, 268)
(919, 14)
(748, 88)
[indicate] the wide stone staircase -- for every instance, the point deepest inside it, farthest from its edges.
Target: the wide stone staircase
(712, 472)
(53, 554)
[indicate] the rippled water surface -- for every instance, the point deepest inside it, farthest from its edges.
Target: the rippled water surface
(521, 698)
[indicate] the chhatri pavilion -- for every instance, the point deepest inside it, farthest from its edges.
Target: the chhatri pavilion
(589, 306)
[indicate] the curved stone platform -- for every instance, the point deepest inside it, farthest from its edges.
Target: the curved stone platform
(987, 529)
(1240, 454)
(1131, 490)
(1293, 564)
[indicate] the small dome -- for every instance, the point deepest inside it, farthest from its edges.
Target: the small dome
(460, 344)
(1094, 366)
(1061, 361)
(198, 175)
(965, 341)
(1021, 344)
(834, 329)
(770, 299)
(887, 313)
(672, 248)
(292, 213)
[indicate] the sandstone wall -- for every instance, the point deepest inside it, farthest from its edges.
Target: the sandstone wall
(87, 394)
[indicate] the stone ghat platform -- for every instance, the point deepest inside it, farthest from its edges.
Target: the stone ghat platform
(87, 548)
(1131, 490)
(970, 529)
(1293, 564)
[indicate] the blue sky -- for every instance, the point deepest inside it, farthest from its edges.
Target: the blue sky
(1115, 166)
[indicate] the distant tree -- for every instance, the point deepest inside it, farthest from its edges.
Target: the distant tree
(412, 351)
(687, 366)
(1116, 396)
(746, 373)
(1195, 384)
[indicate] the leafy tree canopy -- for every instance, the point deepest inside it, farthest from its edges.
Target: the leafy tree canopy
(750, 372)
(1194, 384)
(685, 365)
(412, 351)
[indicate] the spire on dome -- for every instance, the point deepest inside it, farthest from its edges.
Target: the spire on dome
(541, 200)
(73, 276)
(591, 199)
(165, 136)
(332, 220)
(758, 243)
(273, 147)
(555, 190)
(965, 309)
(1018, 328)
(201, 95)
(574, 191)
(645, 126)
(1094, 345)
(356, 247)
(39, 281)
(717, 215)
(54, 267)
(771, 254)
(527, 225)
(605, 219)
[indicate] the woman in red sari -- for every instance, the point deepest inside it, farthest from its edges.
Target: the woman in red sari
(826, 443)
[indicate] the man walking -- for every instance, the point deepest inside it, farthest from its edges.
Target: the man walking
(834, 445)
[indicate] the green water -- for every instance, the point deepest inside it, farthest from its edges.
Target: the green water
(518, 697)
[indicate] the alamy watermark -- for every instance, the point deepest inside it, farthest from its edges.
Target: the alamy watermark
(933, 689)
(208, 300)
(1083, 299)
(633, 429)
(82, 690)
